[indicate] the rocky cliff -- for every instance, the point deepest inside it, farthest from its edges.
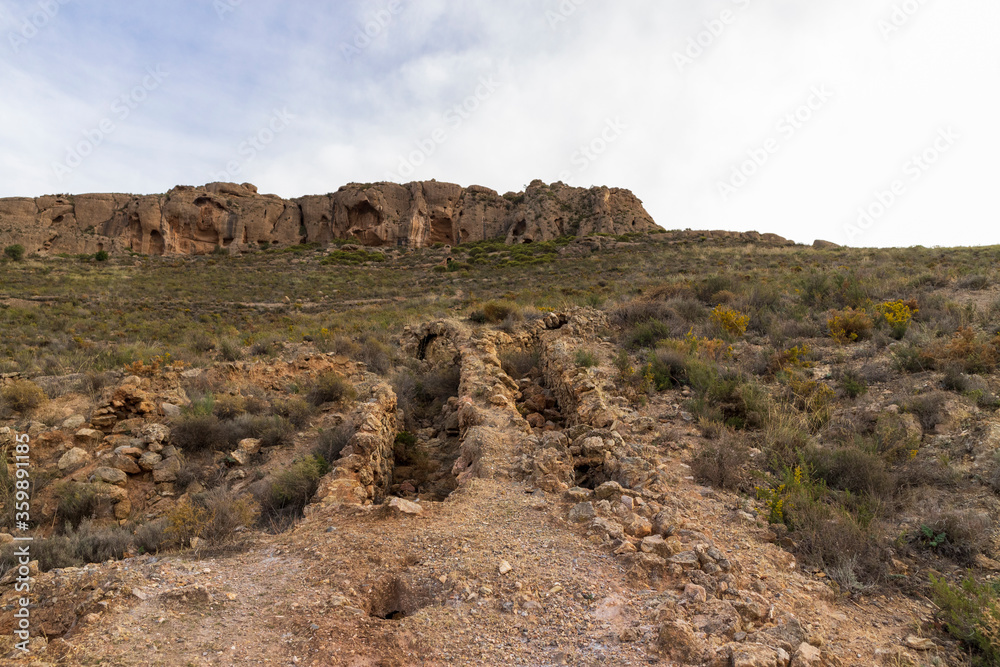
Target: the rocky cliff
(194, 220)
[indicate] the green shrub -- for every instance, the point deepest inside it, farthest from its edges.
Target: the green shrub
(375, 354)
(585, 359)
(971, 613)
(330, 387)
(194, 433)
(54, 552)
(14, 252)
(273, 431)
(292, 488)
(851, 468)
(230, 350)
(229, 407)
(295, 410)
(76, 502)
(647, 334)
(668, 368)
(101, 255)
(853, 385)
(332, 441)
(912, 359)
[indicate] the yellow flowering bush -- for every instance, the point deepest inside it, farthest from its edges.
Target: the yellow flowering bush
(898, 314)
(731, 321)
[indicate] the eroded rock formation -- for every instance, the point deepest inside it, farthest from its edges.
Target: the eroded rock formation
(197, 220)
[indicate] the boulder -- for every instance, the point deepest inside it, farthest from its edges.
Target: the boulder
(125, 463)
(167, 469)
(582, 512)
(110, 476)
(88, 437)
(73, 459)
(401, 506)
(149, 460)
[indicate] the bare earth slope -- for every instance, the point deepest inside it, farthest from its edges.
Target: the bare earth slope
(518, 566)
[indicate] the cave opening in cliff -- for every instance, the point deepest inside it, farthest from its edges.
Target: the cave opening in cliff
(157, 244)
(441, 232)
(362, 216)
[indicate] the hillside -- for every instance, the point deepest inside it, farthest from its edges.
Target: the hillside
(675, 448)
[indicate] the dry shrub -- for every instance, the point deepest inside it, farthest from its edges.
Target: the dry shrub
(331, 387)
(519, 362)
(332, 441)
(929, 408)
(228, 512)
(856, 469)
(495, 312)
(295, 410)
(95, 545)
(151, 536)
(22, 395)
(635, 312)
(186, 521)
(229, 407)
(724, 463)
(849, 325)
(967, 533)
(830, 538)
(968, 351)
(194, 433)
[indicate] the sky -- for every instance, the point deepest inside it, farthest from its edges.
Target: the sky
(862, 122)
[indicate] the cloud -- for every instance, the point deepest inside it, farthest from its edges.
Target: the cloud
(410, 89)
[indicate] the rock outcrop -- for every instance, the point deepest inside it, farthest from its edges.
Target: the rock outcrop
(197, 220)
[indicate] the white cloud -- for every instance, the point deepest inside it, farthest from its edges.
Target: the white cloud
(560, 84)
